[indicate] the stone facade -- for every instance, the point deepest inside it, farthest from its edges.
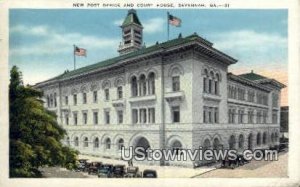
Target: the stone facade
(177, 94)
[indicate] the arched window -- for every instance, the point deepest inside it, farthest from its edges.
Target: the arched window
(120, 144)
(76, 141)
(258, 139)
(216, 144)
(217, 82)
(48, 101)
(85, 142)
(264, 138)
(107, 143)
(206, 144)
(51, 100)
(205, 83)
(176, 146)
(142, 85)
(241, 141)
(210, 83)
(134, 86)
(96, 143)
(151, 83)
(232, 142)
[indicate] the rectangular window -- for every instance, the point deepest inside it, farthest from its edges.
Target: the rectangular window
(241, 116)
(204, 116)
(95, 114)
(151, 115)
(95, 96)
(75, 99)
(120, 92)
(216, 116)
(216, 87)
(143, 115)
(134, 116)
(120, 116)
(209, 116)
(175, 83)
(75, 118)
(84, 98)
(274, 118)
(209, 86)
(84, 118)
(106, 92)
(66, 100)
(67, 119)
(176, 114)
(107, 117)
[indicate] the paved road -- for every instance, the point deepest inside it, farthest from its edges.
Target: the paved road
(254, 169)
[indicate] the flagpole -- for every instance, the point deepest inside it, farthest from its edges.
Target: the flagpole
(74, 57)
(168, 25)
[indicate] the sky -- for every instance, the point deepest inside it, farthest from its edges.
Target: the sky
(41, 41)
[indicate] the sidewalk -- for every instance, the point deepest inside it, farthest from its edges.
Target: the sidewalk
(162, 171)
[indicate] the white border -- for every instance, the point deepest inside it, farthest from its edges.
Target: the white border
(294, 101)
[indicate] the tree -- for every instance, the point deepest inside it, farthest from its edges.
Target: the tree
(35, 136)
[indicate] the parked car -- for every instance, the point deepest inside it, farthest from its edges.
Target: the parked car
(105, 171)
(119, 171)
(93, 167)
(132, 172)
(149, 173)
(82, 165)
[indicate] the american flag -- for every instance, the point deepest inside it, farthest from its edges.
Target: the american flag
(79, 51)
(174, 21)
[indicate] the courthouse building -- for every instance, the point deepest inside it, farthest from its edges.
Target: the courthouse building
(177, 94)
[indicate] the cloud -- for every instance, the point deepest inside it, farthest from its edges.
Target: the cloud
(57, 42)
(153, 25)
(118, 22)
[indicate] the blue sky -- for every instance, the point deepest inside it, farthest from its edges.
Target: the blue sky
(41, 41)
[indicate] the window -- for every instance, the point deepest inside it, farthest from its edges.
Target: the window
(120, 144)
(231, 115)
(75, 118)
(209, 86)
(86, 142)
(216, 87)
(241, 116)
(143, 85)
(176, 114)
(95, 96)
(85, 118)
(143, 115)
(107, 143)
(134, 89)
(107, 117)
(204, 85)
(151, 115)
(258, 117)
(250, 116)
(75, 99)
(96, 143)
(106, 92)
(84, 98)
(48, 101)
(216, 115)
(67, 119)
(265, 117)
(175, 83)
(151, 84)
(55, 100)
(134, 116)
(120, 116)
(120, 92)
(274, 118)
(95, 114)
(76, 141)
(66, 100)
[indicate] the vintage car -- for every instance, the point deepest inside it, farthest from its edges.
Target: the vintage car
(82, 165)
(132, 172)
(93, 167)
(149, 173)
(119, 171)
(105, 171)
